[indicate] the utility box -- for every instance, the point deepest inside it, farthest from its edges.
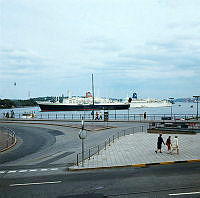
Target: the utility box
(105, 116)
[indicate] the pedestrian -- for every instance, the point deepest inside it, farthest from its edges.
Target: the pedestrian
(145, 115)
(97, 116)
(100, 115)
(7, 115)
(168, 143)
(175, 145)
(159, 143)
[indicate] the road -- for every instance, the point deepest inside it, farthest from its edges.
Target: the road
(156, 181)
(37, 167)
(49, 145)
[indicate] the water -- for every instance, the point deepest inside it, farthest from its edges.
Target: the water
(177, 108)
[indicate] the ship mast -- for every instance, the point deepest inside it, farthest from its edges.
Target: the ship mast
(92, 98)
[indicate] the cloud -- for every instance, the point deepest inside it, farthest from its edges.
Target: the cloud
(21, 62)
(102, 44)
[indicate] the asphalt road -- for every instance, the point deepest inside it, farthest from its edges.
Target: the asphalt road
(43, 145)
(156, 181)
(34, 168)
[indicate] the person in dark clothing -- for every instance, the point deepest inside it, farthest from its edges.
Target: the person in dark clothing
(159, 143)
(145, 115)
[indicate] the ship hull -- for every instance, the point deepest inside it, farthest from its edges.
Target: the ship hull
(53, 107)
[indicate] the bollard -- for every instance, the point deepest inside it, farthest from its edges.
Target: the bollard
(89, 154)
(77, 159)
(113, 138)
(64, 116)
(48, 116)
(56, 116)
(98, 149)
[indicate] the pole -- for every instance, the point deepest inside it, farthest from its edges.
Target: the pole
(92, 98)
(197, 109)
(82, 152)
(171, 106)
(197, 98)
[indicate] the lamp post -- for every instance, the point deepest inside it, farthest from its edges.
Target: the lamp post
(82, 136)
(171, 105)
(197, 98)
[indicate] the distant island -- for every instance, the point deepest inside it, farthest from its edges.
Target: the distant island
(9, 103)
(184, 100)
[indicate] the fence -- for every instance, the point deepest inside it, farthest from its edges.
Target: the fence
(104, 145)
(7, 138)
(111, 117)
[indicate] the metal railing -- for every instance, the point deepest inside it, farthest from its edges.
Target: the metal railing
(7, 138)
(88, 153)
(112, 116)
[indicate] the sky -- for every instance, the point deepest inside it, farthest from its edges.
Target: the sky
(50, 48)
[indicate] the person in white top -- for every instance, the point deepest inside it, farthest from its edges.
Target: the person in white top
(175, 145)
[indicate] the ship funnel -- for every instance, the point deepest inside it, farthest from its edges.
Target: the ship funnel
(134, 96)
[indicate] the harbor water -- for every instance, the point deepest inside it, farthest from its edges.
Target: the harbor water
(181, 110)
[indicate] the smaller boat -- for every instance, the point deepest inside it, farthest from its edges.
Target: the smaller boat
(28, 115)
(191, 106)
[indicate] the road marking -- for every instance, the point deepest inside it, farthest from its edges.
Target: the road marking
(39, 183)
(12, 171)
(53, 169)
(28, 170)
(32, 170)
(22, 171)
(44, 169)
(189, 193)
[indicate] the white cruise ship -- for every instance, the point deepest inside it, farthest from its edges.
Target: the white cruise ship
(143, 103)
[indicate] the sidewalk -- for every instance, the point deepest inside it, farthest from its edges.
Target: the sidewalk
(139, 150)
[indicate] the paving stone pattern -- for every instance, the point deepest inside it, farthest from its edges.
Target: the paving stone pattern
(140, 148)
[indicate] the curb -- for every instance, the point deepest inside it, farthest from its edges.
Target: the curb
(5, 149)
(136, 165)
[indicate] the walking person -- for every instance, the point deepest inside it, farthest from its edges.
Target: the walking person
(97, 116)
(175, 145)
(100, 115)
(168, 143)
(145, 115)
(159, 143)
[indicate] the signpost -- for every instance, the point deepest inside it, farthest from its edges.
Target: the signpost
(82, 136)
(197, 98)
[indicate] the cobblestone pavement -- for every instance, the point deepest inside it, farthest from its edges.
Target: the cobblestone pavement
(139, 148)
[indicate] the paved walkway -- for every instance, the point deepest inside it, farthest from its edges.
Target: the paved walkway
(139, 149)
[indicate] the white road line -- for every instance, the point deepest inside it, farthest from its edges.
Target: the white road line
(2, 172)
(189, 193)
(44, 169)
(32, 170)
(22, 171)
(12, 171)
(53, 169)
(39, 183)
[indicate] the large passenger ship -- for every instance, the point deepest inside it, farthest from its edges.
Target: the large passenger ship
(142, 103)
(83, 103)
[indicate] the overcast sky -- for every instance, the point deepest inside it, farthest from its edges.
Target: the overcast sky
(151, 47)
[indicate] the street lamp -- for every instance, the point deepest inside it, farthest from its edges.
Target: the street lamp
(171, 106)
(197, 98)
